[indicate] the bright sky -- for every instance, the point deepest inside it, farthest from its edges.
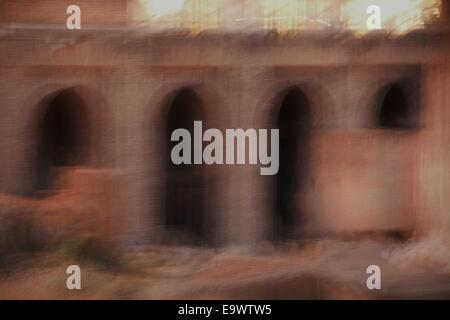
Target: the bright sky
(397, 15)
(401, 15)
(159, 8)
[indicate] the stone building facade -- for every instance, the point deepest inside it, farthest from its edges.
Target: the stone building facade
(364, 126)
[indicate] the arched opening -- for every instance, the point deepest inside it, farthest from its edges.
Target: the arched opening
(63, 136)
(294, 123)
(185, 187)
(395, 112)
(398, 111)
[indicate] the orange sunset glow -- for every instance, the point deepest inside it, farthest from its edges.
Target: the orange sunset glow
(287, 15)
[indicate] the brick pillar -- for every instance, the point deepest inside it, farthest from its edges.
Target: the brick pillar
(445, 15)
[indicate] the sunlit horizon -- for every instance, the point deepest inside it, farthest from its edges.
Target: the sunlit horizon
(162, 8)
(290, 15)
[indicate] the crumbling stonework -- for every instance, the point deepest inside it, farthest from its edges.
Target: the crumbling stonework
(361, 177)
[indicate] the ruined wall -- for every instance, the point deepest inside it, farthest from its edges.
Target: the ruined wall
(434, 180)
(53, 12)
(362, 178)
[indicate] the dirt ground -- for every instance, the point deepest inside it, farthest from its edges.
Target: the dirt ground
(326, 269)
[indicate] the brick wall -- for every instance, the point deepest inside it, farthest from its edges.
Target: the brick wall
(93, 12)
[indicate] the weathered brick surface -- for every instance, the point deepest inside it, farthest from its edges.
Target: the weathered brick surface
(362, 178)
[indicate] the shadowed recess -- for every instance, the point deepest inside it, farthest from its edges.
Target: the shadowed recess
(294, 122)
(63, 136)
(395, 111)
(185, 184)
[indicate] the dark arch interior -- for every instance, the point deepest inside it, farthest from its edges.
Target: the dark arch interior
(294, 122)
(63, 136)
(185, 184)
(395, 112)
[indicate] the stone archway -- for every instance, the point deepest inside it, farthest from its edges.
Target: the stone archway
(394, 111)
(397, 118)
(63, 136)
(185, 189)
(294, 123)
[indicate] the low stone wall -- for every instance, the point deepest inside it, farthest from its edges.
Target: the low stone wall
(85, 201)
